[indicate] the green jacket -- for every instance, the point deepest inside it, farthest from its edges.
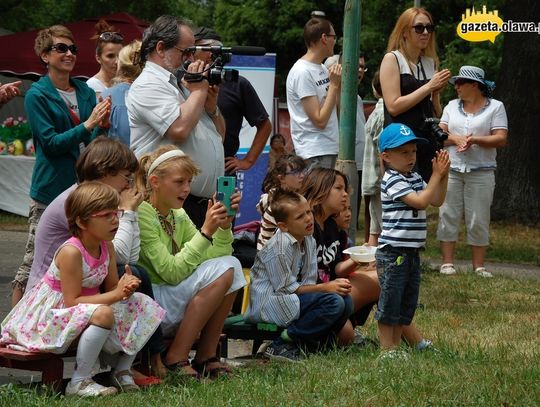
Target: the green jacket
(156, 246)
(56, 139)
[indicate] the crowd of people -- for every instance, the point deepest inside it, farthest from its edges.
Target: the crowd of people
(128, 243)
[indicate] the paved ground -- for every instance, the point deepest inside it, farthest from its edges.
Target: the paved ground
(12, 245)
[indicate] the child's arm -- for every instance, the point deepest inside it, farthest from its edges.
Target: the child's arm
(345, 267)
(341, 286)
(435, 191)
(69, 262)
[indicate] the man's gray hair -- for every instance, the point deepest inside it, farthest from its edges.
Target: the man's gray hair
(166, 29)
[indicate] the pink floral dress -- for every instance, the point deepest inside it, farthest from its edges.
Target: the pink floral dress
(41, 323)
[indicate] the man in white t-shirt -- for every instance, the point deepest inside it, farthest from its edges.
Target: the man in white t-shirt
(163, 112)
(312, 93)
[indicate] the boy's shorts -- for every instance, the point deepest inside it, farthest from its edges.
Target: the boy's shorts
(399, 277)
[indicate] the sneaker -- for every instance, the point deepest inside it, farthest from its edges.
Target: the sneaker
(448, 269)
(481, 271)
(88, 388)
(426, 346)
(279, 350)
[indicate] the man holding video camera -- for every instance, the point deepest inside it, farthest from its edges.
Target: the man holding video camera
(163, 110)
(237, 99)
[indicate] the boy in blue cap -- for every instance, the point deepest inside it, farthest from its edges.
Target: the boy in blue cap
(405, 196)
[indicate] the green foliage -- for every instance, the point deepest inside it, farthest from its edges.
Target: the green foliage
(277, 25)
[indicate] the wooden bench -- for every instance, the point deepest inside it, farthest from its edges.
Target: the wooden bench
(50, 365)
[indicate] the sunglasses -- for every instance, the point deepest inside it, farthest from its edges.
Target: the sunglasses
(420, 28)
(109, 215)
(62, 48)
(109, 36)
(187, 52)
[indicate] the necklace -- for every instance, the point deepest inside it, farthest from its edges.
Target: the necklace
(168, 226)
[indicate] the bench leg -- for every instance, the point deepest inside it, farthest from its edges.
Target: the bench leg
(53, 373)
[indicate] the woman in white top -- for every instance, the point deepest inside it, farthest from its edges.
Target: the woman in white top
(477, 125)
(410, 81)
(108, 46)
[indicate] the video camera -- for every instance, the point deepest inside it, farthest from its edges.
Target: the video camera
(220, 57)
(432, 125)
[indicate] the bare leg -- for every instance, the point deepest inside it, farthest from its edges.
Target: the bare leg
(16, 293)
(365, 288)
(447, 249)
(198, 312)
(412, 335)
(389, 336)
(345, 336)
(478, 256)
(213, 328)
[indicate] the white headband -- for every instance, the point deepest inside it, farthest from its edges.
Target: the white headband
(164, 157)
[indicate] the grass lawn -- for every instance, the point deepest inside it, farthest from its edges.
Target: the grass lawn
(486, 330)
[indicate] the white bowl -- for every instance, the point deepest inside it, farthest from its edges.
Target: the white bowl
(361, 254)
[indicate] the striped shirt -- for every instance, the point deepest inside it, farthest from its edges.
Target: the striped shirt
(268, 223)
(403, 226)
(280, 268)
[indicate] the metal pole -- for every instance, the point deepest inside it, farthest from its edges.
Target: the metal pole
(348, 98)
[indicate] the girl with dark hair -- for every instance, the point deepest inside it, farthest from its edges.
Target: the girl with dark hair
(287, 173)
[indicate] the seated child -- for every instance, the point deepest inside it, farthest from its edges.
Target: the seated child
(287, 173)
(284, 290)
(67, 304)
(405, 196)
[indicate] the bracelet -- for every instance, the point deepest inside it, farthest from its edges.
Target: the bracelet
(209, 238)
(214, 114)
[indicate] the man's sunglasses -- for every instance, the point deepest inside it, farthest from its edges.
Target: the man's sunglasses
(109, 36)
(420, 28)
(62, 48)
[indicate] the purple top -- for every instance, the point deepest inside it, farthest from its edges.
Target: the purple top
(51, 232)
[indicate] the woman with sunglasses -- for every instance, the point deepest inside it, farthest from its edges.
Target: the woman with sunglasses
(108, 46)
(476, 125)
(63, 116)
(410, 80)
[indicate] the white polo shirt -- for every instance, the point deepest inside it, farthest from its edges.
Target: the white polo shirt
(153, 104)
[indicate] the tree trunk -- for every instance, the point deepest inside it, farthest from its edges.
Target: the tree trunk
(517, 191)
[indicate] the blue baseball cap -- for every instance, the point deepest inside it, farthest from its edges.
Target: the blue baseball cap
(397, 134)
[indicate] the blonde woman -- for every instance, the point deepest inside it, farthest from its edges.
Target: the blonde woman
(129, 69)
(410, 80)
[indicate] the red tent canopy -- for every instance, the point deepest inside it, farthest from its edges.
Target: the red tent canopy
(18, 56)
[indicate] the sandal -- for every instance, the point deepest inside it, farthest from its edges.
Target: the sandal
(211, 373)
(147, 381)
(178, 367)
(448, 269)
